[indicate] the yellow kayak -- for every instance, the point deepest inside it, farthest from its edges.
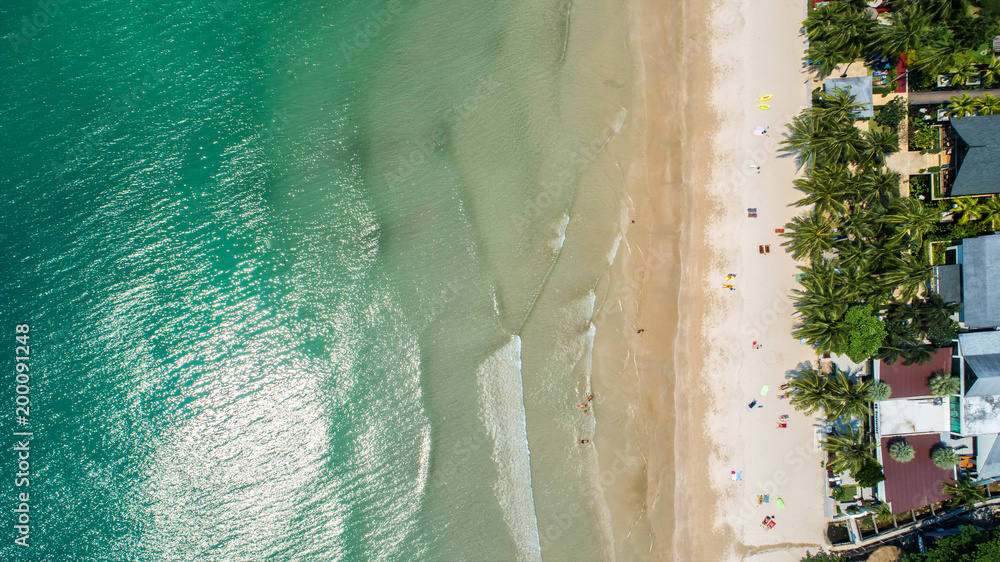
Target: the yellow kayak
(762, 106)
(765, 98)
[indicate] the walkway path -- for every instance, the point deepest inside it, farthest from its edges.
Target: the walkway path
(925, 98)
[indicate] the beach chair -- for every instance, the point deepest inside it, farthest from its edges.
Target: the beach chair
(767, 248)
(760, 248)
(779, 230)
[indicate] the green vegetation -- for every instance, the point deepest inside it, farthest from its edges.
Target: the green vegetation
(944, 384)
(852, 450)
(837, 395)
(892, 113)
(901, 451)
(879, 392)
(922, 135)
(869, 474)
(964, 492)
(937, 36)
(965, 105)
(866, 334)
(823, 557)
(863, 244)
(971, 545)
(944, 457)
(845, 493)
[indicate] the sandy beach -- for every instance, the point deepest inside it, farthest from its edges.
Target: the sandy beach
(680, 398)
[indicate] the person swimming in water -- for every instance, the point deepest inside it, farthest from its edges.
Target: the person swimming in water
(584, 441)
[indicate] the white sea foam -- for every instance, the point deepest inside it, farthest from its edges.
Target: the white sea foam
(614, 249)
(501, 400)
(557, 242)
(619, 120)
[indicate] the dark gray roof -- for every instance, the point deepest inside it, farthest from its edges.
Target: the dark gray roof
(991, 467)
(981, 281)
(979, 169)
(859, 86)
(948, 280)
(981, 350)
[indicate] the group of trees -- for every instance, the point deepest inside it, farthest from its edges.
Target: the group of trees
(970, 545)
(862, 243)
(936, 36)
(837, 395)
(966, 105)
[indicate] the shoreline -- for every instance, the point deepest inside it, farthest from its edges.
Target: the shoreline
(678, 422)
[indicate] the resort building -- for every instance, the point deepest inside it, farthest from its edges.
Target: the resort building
(858, 86)
(968, 422)
(973, 280)
(977, 154)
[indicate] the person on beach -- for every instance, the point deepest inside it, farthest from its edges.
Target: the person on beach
(755, 167)
(640, 331)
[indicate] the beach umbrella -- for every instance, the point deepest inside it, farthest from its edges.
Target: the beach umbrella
(781, 503)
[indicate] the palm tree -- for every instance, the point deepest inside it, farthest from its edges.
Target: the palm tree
(965, 492)
(936, 56)
(988, 105)
(840, 105)
(881, 142)
(908, 274)
(822, 288)
(963, 71)
(849, 397)
(803, 132)
(842, 143)
(825, 330)
(917, 354)
(991, 71)
(876, 185)
(901, 451)
(808, 391)
(811, 235)
(944, 384)
(944, 9)
(944, 457)
(825, 189)
(879, 392)
(824, 56)
(991, 211)
(851, 447)
(962, 106)
(912, 217)
(904, 35)
(970, 209)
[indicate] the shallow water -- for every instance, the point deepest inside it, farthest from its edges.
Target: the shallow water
(309, 281)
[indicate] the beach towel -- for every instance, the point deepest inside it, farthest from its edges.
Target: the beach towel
(763, 391)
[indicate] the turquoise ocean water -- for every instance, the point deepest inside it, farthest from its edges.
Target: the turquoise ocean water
(306, 280)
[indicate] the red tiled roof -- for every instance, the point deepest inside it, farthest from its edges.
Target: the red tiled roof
(901, 72)
(908, 382)
(916, 483)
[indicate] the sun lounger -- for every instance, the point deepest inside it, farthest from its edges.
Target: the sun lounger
(779, 230)
(760, 249)
(767, 248)
(782, 426)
